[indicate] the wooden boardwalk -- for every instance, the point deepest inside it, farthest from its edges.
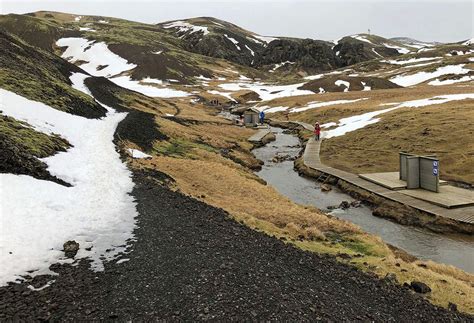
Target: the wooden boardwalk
(311, 159)
(259, 135)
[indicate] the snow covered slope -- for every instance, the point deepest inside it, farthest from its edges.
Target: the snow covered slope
(98, 60)
(38, 216)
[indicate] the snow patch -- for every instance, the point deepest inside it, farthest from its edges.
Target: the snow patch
(267, 91)
(349, 124)
(366, 87)
(343, 83)
(401, 50)
(185, 27)
(77, 80)
(328, 125)
(38, 216)
(250, 50)
(413, 79)
(153, 91)
(87, 29)
(101, 61)
(137, 154)
(233, 40)
(375, 52)
(316, 104)
(318, 76)
(265, 39)
(277, 66)
(224, 94)
(268, 109)
(362, 38)
(202, 77)
(410, 61)
(437, 82)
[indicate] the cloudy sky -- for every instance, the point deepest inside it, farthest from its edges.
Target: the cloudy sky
(426, 20)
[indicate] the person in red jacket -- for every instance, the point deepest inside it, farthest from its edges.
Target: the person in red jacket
(317, 130)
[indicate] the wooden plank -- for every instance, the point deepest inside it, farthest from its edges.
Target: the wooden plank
(257, 137)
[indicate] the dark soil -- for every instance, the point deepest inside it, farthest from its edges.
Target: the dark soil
(107, 92)
(162, 66)
(140, 128)
(191, 261)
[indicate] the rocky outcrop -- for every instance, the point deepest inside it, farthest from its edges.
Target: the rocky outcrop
(308, 54)
(420, 287)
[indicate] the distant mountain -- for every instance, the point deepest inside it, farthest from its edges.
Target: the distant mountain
(220, 39)
(183, 50)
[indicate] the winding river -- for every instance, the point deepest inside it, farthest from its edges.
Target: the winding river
(457, 250)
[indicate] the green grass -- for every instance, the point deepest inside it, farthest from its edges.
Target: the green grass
(25, 138)
(178, 147)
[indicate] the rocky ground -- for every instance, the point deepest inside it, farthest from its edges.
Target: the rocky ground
(191, 261)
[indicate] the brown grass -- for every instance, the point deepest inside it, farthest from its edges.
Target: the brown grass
(217, 180)
(231, 189)
(444, 130)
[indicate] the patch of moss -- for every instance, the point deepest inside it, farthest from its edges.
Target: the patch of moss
(178, 147)
(27, 139)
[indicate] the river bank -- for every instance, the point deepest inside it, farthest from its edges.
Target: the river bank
(424, 244)
(381, 206)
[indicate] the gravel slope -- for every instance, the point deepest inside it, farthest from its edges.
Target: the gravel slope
(191, 261)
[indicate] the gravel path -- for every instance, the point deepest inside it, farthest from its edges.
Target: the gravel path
(191, 261)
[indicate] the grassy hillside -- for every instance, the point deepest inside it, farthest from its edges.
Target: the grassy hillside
(42, 76)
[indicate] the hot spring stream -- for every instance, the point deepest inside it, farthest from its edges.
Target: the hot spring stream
(455, 250)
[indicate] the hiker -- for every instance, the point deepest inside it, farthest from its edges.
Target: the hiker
(287, 114)
(317, 131)
(261, 116)
(241, 119)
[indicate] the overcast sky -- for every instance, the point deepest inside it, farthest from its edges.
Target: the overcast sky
(445, 21)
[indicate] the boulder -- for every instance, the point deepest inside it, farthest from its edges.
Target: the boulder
(391, 278)
(344, 205)
(355, 203)
(452, 307)
(70, 248)
(420, 287)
